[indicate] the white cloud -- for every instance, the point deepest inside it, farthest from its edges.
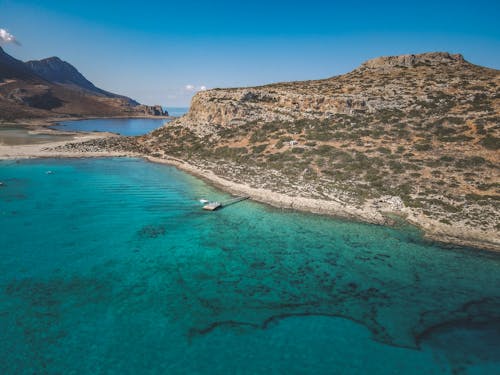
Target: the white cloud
(193, 88)
(6, 37)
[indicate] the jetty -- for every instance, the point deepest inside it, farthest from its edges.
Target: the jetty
(212, 206)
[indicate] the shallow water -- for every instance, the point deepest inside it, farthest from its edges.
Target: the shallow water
(123, 126)
(110, 265)
(14, 136)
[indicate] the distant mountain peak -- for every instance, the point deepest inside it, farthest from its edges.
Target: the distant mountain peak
(12, 68)
(53, 69)
(56, 70)
(52, 58)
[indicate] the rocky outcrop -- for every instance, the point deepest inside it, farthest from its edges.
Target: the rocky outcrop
(411, 61)
(238, 106)
(321, 99)
(152, 110)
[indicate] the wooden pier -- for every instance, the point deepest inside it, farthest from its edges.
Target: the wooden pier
(212, 206)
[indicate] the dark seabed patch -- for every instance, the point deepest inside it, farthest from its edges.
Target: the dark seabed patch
(111, 263)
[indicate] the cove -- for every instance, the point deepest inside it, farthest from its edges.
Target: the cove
(110, 265)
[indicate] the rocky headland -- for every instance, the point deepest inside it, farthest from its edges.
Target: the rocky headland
(412, 135)
(416, 136)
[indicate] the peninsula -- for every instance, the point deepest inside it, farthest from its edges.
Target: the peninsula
(415, 136)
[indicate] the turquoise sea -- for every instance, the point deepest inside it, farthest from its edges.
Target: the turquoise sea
(110, 266)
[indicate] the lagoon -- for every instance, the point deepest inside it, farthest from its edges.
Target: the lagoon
(122, 126)
(110, 265)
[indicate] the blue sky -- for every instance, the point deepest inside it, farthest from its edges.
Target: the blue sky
(154, 51)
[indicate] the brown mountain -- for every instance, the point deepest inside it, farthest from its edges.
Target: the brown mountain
(415, 135)
(54, 70)
(52, 87)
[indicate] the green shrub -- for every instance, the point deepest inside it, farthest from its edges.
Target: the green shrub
(470, 162)
(384, 150)
(298, 150)
(423, 147)
(447, 158)
(259, 149)
(490, 142)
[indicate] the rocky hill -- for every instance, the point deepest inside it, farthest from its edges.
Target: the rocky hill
(415, 135)
(52, 87)
(54, 70)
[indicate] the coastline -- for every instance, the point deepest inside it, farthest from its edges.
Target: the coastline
(432, 229)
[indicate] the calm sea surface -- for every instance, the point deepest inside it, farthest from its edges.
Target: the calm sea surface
(123, 126)
(111, 266)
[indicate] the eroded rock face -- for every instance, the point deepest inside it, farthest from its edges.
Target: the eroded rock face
(410, 61)
(237, 106)
(152, 110)
(320, 99)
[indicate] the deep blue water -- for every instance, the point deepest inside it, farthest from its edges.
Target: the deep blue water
(111, 266)
(123, 126)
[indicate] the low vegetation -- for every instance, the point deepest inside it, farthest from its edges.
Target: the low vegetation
(427, 133)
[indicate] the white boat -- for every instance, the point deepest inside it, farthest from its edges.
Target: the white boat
(204, 201)
(49, 172)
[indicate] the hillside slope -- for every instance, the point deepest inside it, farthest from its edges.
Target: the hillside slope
(53, 87)
(415, 135)
(55, 70)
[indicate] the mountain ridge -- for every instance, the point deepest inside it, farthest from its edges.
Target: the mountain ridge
(55, 70)
(11, 67)
(412, 60)
(52, 87)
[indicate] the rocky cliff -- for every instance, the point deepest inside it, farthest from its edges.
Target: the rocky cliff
(416, 135)
(374, 86)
